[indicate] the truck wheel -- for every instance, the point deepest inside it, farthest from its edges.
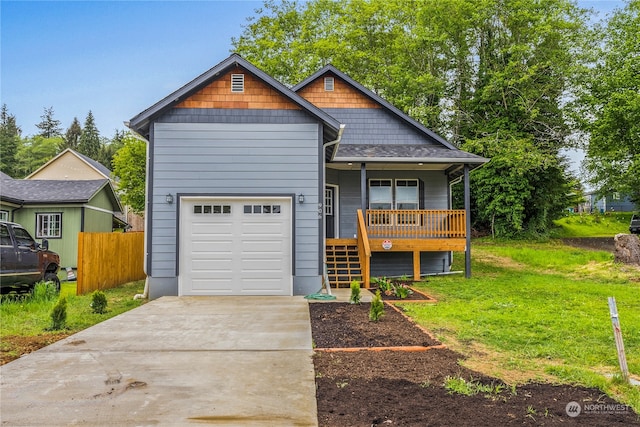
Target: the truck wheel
(53, 277)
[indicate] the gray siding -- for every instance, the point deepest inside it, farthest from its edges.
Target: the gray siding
(252, 159)
(394, 264)
(221, 115)
(376, 126)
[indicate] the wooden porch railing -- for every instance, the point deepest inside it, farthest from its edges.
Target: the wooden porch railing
(416, 224)
(364, 250)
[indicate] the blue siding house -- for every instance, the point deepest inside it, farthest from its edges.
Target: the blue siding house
(254, 188)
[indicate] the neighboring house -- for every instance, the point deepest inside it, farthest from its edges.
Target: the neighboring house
(57, 210)
(71, 165)
(614, 202)
(251, 185)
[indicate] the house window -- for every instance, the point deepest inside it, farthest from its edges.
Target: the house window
(328, 201)
(380, 194)
(328, 84)
(237, 82)
(4, 215)
(407, 196)
(48, 225)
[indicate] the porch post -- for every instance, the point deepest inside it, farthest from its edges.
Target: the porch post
(363, 188)
(467, 208)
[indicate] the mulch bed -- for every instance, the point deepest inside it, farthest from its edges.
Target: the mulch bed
(405, 388)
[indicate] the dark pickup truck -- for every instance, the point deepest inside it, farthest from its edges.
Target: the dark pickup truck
(634, 226)
(23, 261)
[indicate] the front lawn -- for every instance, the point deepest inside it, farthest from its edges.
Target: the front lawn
(539, 311)
(592, 225)
(26, 320)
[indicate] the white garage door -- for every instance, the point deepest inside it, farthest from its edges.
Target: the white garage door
(232, 246)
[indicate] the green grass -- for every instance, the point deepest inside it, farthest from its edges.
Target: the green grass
(592, 225)
(539, 310)
(31, 316)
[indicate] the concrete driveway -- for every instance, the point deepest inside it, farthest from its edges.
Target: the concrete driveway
(232, 361)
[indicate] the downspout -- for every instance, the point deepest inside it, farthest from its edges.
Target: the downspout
(145, 293)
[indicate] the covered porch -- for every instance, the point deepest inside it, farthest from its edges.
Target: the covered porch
(413, 231)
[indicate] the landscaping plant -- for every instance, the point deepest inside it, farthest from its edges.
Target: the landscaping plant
(59, 315)
(377, 307)
(355, 292)
(99, 302)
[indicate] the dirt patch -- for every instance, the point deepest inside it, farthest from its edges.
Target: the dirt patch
(13, 347)
(606, 244)
(406, 388)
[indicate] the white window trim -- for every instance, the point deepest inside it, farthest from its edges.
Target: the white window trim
(4, 215)
(51, 216)
(394, 191)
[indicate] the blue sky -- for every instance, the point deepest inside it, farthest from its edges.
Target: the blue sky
(115, 58)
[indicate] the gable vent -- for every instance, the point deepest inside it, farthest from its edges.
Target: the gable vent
(237, 82)
(328, 83)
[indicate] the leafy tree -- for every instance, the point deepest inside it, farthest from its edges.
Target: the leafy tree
(49, 127)
(35, 152)
(611, 107)
(9, 142)
(90, 139)
(129, 167)
(72, 135)
(490, 75)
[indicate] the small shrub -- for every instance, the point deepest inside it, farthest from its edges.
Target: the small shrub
(59, 315)
(355, 292)
(99, 302)
(384, 285)
(377, 307)
(402, 291)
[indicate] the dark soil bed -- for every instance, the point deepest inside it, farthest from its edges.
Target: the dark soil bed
(594, 243)
(406, 388)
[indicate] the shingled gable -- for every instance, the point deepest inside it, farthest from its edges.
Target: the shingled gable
(142, 121)
(397, 150)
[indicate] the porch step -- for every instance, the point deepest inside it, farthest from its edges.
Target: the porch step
(343, 262)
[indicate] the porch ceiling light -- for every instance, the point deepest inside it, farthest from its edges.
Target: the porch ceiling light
(301, 198)
(169, 199)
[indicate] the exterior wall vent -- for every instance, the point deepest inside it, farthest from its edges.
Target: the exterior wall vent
(237, 82)
(328, 84)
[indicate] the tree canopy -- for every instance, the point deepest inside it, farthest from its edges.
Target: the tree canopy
(610, 106)
(489, 75)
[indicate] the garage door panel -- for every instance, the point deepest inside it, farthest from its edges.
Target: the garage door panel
(244, 252)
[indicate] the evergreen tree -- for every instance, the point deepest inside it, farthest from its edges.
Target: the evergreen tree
(9, 142)
(90, 143)
(49, 127)
(72, 136)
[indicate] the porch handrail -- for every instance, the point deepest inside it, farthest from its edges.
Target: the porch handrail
(414, 224)
(364, 250)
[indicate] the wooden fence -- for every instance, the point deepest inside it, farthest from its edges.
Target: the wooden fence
(106, 260)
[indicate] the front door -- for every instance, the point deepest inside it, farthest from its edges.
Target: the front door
(330, 211)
